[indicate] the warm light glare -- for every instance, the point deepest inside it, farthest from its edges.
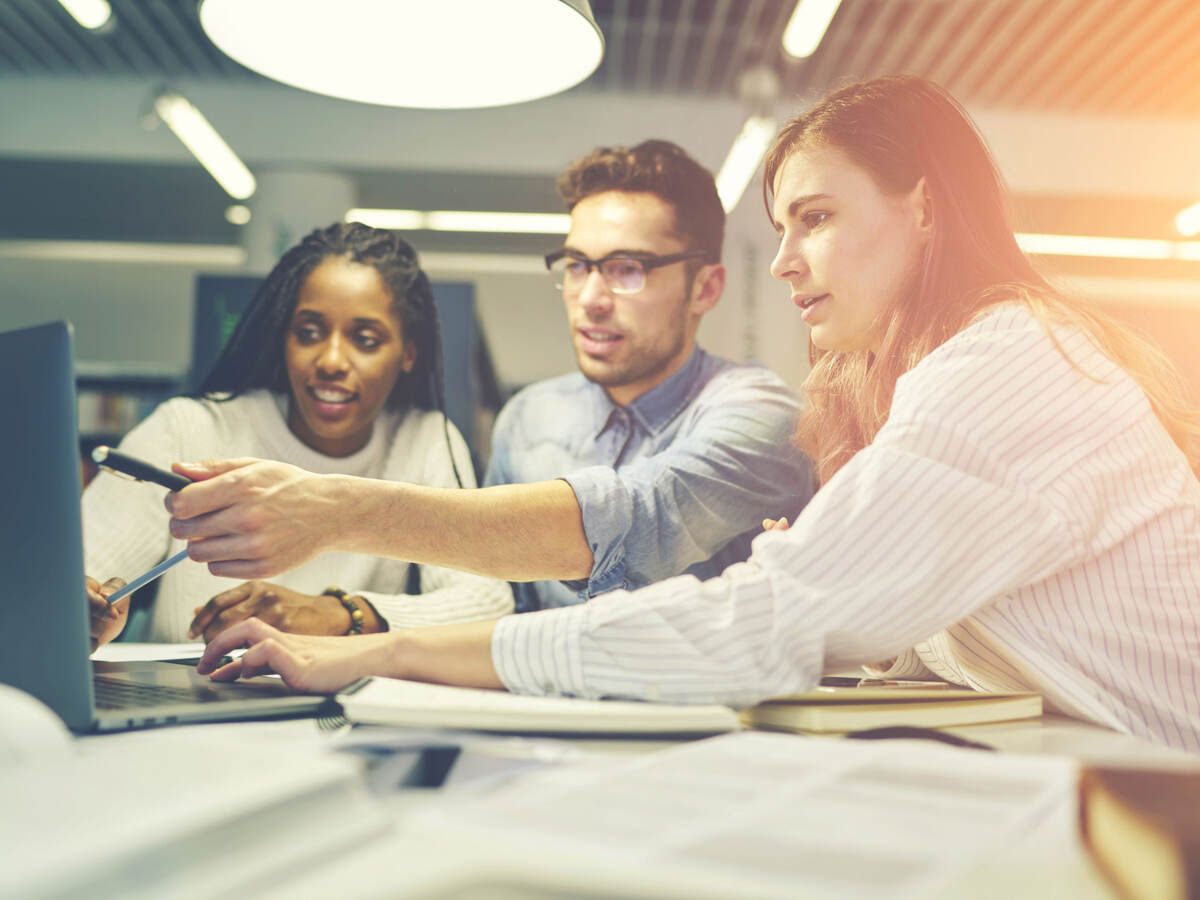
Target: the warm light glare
(1113, 247)
(90, 14)
(1189, 250)
(807, 26)
(448, 54)
(743, 158)
(1187, 222)
(237, 214)
(462, 220)
(206, 145)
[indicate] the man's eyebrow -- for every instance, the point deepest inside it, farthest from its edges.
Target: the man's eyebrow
(620, 251)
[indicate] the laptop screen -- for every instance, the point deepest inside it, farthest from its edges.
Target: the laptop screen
(44, 642)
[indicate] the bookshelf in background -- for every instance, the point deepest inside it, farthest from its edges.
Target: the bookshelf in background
(112, 399)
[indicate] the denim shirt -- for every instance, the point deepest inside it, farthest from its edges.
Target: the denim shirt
(678, 481)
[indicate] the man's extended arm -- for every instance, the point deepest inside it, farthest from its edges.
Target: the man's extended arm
(255, 519)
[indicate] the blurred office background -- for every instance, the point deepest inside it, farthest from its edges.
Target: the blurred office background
(1091, 106)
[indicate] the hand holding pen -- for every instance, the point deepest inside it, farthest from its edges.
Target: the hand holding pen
(123, 464)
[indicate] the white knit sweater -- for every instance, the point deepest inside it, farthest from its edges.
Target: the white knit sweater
(125, 523)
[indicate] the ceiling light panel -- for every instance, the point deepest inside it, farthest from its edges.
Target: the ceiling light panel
(448, 54)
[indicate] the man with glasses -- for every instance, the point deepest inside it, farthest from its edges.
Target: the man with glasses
(673, 456)
(655, 459)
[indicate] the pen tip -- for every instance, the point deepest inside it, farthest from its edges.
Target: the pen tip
(100, 454)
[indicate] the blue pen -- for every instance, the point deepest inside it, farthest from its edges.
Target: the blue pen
(148, 577)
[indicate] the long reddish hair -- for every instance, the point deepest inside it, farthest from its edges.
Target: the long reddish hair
(900, 129)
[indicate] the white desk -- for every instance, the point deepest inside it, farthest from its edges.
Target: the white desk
(404, 861)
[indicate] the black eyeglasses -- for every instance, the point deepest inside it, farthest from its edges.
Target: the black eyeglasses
(622, 273)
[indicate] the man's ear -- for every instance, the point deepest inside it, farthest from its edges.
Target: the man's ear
(707, 287)
(921, 205)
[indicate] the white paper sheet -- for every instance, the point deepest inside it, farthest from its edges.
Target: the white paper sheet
(121, 651)
(784, 815)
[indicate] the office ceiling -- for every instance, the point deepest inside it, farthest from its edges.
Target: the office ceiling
(1114, 61)
(1109, 57)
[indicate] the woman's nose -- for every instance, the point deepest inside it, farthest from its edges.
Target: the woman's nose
(789, 261)
(332, 357)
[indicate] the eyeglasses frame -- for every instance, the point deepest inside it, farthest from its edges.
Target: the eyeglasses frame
(649, 262)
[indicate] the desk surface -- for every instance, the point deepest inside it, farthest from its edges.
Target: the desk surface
(403, 861)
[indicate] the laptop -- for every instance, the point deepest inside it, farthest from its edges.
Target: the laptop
(44, 619)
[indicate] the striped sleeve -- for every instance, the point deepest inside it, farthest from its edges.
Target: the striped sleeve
(1022, 520)
(895, 548)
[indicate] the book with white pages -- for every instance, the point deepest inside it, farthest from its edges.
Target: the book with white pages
(170, 812)
(392, 701)
(841, 709)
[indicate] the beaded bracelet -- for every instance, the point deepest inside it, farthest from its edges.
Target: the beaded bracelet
(356, 614)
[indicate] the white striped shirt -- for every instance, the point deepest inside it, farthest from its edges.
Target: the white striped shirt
(1019, 523)
(125, 524)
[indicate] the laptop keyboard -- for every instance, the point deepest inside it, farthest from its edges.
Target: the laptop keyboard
(122, 695)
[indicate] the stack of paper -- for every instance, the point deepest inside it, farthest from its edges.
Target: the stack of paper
(168, 813)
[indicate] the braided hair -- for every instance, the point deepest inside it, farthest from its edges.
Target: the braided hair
(254, 357)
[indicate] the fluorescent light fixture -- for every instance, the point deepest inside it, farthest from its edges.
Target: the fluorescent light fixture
(1083, 245)
(206, 145)
(91, 14)
(1179, 293)
(807, 26)
(1187, 222)
(1111, 247)
(502, 222)
(498, 263)
(215, 255)
(743, 158)
(395, 219)
(434, 54)
(462, 220)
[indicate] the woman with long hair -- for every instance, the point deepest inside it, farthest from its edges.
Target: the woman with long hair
(336, 366)
(1008, 500)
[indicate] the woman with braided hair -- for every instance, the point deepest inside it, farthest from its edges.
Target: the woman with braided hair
(336, 367)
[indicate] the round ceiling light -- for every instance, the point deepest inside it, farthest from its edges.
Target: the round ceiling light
(431, 54)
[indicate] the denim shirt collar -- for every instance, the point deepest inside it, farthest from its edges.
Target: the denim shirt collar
(655, 409)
